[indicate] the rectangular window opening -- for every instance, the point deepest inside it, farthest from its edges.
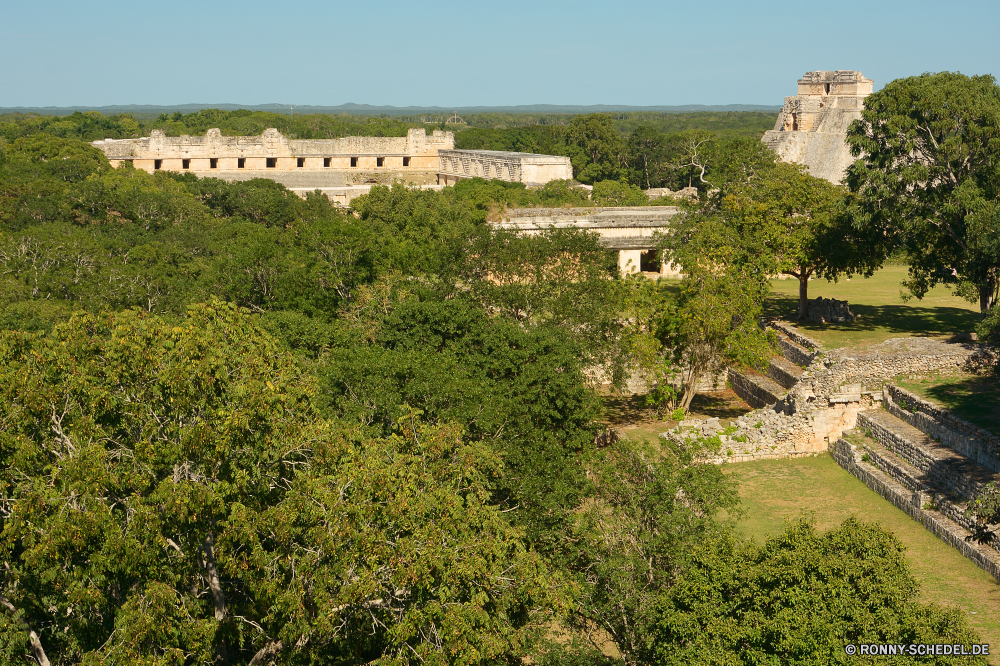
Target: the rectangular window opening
(157, 164)
(354, 161)
(185, 164)
(406, 161)
(326, 161)
(379, 161)
(272, 162)
(300, 162)
(241, 163)
(213, 163)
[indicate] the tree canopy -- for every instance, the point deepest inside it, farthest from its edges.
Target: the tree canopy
(928, 177)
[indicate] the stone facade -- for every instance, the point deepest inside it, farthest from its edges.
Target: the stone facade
(527, 168)
(812, 126)
(352, 160)
(632, 230)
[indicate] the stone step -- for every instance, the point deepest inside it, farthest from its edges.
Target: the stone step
(930, 490)
(795, 353)
(942, 466)
(784, 372)
(756, 390)
(897, 485)
(979, 445)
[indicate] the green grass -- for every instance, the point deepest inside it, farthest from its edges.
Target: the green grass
(884, 314)
(971, 397)
(776, 491)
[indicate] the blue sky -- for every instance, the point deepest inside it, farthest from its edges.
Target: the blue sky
(504, 52)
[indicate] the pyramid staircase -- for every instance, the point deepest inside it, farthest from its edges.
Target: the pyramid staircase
(782, 373)
(900, 454)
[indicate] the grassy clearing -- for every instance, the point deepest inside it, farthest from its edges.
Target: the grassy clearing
(884, 314)
(971, 397)
(775, 491)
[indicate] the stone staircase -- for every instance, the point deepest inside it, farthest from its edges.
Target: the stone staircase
(783, 372)
(929, 480)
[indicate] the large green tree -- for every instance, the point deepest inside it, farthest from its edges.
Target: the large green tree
(171, 496)
(928, 176)
(799, 598)
(787, 221)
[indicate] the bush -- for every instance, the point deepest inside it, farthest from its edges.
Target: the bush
(618, 193)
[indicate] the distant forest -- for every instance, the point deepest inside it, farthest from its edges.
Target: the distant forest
(93, 125)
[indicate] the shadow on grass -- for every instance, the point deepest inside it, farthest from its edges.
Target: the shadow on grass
(907, 319)
(719, 404)
(632, 409)
(974, 399)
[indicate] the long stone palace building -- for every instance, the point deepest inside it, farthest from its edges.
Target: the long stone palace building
(341, 168)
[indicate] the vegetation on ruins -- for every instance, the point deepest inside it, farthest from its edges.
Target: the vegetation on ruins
(240, 426)
(928, 179)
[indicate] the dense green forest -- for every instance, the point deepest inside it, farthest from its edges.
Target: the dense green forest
(243, 427)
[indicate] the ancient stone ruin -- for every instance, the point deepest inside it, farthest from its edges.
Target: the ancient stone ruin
(527, 168)
(918, 456)
(829, 311)
(631, 230)
(340, 168)
(812, 126)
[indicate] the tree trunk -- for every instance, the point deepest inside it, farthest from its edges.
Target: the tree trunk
(986, 297)
(803, 296)
(803, 277)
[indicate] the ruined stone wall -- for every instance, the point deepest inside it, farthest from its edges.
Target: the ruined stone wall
(912, 502)
(973, 442)
(831, 393)
(528, 168)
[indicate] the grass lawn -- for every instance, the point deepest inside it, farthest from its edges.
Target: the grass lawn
(971, 397)
(774, 491)
(883, 313)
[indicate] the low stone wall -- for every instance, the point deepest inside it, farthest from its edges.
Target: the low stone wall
(796, 336)
(940, 474)
(979, 445)
(795, 353)
(912, 503)
(752, 390)
(879, 363)
(785, 376)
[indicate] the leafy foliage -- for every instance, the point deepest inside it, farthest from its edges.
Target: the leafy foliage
(799, 598)
(928, 178)
(172, 494)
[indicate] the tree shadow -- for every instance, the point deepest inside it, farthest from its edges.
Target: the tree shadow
(907, 319)
(719, 404)
(973, 399)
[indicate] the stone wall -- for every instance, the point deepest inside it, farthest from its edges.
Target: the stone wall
(831, 394)
(829, 310)
(272, 152)
(912, 504)
(528, 168)
(752, 390)
(979, 445)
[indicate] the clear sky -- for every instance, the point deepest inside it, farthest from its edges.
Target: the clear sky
(449, 53)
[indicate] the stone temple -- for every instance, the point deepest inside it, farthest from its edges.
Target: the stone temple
(812, 126)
